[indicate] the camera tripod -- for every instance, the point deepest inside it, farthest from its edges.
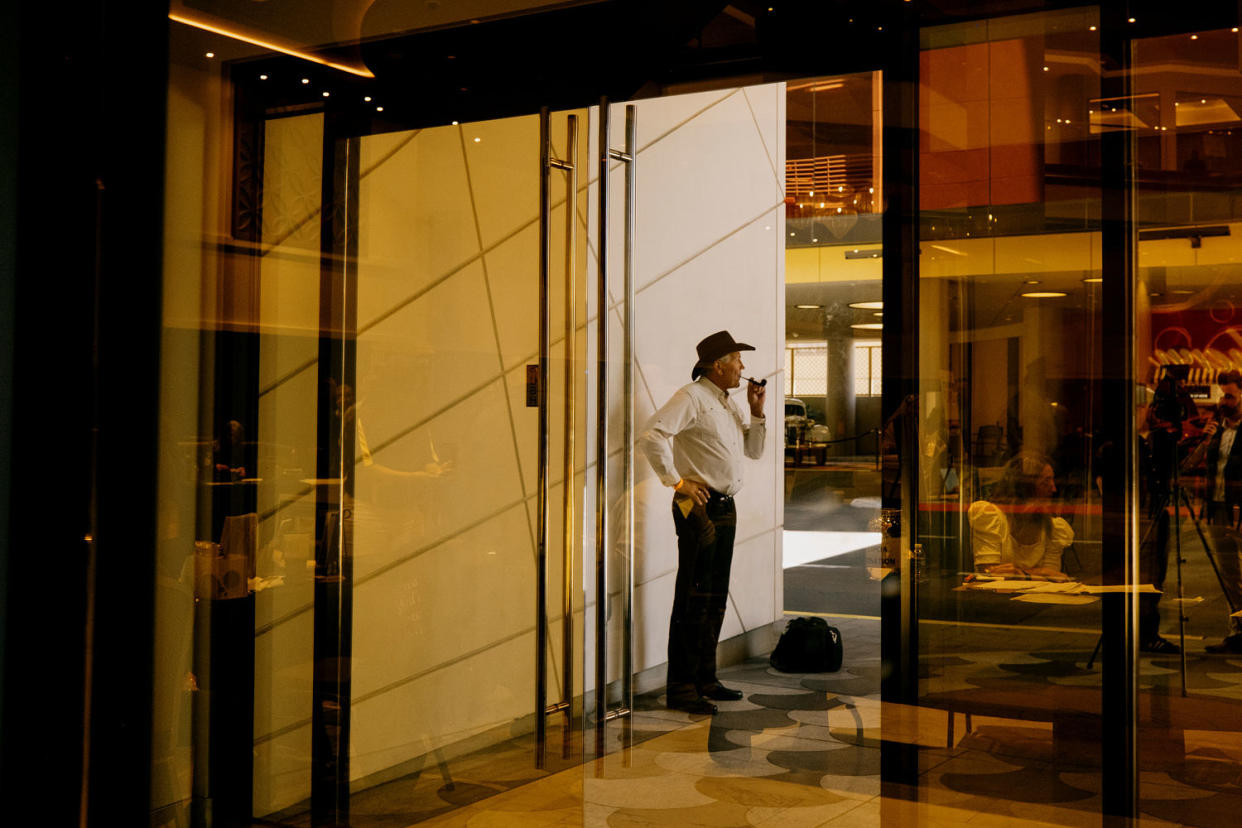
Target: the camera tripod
(1175, 493)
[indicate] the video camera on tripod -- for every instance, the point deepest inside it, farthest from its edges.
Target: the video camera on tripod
(1171, 403)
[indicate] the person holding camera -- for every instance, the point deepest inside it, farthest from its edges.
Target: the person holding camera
(1221, 458)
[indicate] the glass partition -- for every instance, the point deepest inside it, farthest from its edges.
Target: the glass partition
(1008, 568)
(1186, 119)
(351, 487)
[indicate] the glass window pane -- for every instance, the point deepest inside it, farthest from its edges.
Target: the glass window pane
(788, 372)
(810, 371)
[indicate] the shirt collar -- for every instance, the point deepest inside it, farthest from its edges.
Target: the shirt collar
(715, 389)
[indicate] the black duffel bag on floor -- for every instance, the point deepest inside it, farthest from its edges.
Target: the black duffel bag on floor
(808, 645)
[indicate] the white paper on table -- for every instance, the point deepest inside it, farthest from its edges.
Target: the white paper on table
(1056, 598)
(1056, 586)
(1024, 584)
(1099, 589)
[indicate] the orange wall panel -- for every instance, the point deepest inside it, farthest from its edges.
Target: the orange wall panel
(981, 136)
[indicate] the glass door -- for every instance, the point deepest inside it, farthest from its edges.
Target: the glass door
(373, 603)
(464, 598)
(1006, 569)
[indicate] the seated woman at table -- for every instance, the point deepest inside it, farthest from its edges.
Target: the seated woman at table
(1014, 533)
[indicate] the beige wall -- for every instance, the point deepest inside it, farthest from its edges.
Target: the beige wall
(448, 317)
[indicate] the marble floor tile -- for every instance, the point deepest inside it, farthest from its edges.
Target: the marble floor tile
(805, 817)
(803, 750)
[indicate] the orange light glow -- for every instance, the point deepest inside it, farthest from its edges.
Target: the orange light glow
(362, 72)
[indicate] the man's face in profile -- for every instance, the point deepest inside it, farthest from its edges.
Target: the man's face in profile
(731, 368)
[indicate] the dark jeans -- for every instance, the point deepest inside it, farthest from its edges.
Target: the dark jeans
(704, 556)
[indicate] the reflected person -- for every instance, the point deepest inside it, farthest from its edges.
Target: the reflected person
(695, 443)
(1221, 458)
(1014, 533)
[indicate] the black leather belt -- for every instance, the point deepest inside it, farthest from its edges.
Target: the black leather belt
(718, 497)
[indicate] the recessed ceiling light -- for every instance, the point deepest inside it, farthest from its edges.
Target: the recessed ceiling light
(809, 307)
(305, 80)
(367, 99)
(877, 313)
(1031, 282)
(1181, 292)
(1044, 294)
(869, 326)
(379, 109)
(477, 140)
(867, 305)
(1093, 280)
(326, 94)
(262, 77)
(211, 54)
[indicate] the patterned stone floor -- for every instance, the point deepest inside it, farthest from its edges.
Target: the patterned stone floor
(804, 750)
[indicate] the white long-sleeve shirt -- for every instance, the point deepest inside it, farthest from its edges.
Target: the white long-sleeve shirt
(701, 434)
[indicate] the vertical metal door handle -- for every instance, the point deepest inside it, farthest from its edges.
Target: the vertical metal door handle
(627, 616)
(546, 164)
(602, 714)
(601, 437)
(541, 535)
(570, 166)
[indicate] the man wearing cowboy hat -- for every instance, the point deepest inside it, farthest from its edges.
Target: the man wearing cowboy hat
(695, 443)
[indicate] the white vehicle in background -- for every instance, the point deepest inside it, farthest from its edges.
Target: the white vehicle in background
(796, 421)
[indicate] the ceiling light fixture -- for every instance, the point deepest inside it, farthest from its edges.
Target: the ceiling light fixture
(869, 326)
(1044, 294)
(867, 305)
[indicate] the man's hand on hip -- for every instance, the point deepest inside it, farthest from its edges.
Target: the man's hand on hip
(694, 490)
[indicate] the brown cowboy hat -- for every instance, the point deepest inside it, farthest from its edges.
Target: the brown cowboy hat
(713, 347)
